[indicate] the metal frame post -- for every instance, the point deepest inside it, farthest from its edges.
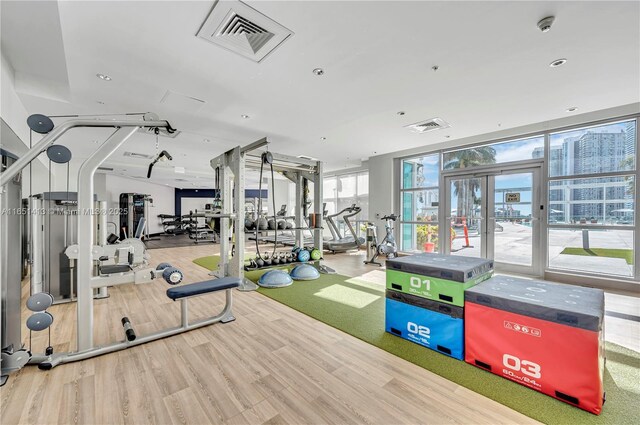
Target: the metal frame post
(318, 198)
(86, 234)
(299, 209)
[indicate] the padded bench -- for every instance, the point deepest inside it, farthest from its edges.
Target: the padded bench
(204, 287)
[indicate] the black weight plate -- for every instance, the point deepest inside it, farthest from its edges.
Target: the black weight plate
(59, 154)
(40, 123)
(39, 321)
(40, 301)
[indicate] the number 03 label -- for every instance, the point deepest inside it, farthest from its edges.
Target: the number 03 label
(525, 366)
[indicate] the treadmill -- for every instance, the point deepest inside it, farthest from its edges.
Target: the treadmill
(341, 243)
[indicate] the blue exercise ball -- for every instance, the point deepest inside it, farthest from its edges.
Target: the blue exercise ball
(304, 255)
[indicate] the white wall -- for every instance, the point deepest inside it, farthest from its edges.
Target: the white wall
(383, 174)
(109, 187)
(193, 204)
(15, 137)
(282, 195)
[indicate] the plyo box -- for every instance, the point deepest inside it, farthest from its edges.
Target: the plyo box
(546, 336)
(438, 277)
(426, 322)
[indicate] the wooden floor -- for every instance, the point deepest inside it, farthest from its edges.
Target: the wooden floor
(272, 365)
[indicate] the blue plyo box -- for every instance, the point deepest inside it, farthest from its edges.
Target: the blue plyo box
(435, 325)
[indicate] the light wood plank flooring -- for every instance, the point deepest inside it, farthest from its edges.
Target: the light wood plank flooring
(272, 365)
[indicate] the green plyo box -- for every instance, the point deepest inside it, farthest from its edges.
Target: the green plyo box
(442, 278)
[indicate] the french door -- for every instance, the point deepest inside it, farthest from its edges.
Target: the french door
(496, 214)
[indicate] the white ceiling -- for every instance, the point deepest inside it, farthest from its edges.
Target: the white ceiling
(377, 56)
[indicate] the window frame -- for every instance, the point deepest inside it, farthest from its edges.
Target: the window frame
(572, 277)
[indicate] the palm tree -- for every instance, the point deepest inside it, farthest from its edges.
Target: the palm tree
(466, 189)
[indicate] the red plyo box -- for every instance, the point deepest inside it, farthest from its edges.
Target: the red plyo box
(546, 336)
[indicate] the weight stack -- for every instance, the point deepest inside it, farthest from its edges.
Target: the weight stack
(425, 298)
(543, 335)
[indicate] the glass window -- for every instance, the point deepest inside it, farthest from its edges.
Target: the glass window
(421, 205)
(329, 188)
(496, 153)
(420, 237)
(607, 200)
(420, 199)
(420, 172)
(346, 186)
(363, 184)
(594, 251)
(602, 149)
(341, 192)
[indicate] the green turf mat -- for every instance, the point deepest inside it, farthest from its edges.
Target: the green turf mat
(356, 306)
(626, 254)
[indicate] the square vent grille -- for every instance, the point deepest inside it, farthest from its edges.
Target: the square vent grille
(243, 30)
(428, 125)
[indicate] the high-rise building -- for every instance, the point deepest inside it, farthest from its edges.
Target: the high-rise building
(591, 153)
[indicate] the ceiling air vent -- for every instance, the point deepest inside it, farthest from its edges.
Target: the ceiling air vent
(137, 155)
(428, 125)
(243, 30)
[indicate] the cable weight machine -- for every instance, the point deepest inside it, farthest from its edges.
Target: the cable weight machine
(232, 166)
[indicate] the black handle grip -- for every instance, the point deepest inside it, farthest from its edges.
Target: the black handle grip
(128, 329)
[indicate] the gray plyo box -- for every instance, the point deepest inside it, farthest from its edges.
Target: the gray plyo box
(456, 268)
(569, 305)
(442, 308)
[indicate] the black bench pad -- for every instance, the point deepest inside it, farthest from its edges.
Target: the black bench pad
(203, 287)
(115, 268)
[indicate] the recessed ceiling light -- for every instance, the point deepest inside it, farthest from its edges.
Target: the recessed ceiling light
(318, 71)
(400, 113)
(557, 62)
(244, 116)
(323, 138)
(572, 109)
(103, 77)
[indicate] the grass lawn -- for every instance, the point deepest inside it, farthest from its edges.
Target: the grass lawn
(627, 254)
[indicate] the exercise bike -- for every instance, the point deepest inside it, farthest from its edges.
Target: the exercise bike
(388, 245)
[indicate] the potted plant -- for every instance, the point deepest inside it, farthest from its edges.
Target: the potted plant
(427, 237)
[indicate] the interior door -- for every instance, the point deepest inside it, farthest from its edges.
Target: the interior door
(496, 215)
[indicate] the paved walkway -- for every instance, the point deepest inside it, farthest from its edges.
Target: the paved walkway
(514, 245)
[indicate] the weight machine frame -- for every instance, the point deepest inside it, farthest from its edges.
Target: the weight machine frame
(87, 251)
(232, 166)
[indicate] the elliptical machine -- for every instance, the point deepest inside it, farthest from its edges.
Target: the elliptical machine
(388, 245)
